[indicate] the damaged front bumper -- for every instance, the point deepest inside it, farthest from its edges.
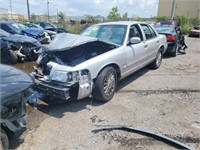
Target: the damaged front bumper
(52, 90)
(79, 89)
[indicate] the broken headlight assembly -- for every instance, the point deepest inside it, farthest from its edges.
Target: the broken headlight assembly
(82, 76)
(65, 77)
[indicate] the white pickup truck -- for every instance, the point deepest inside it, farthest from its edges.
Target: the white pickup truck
(91, 64)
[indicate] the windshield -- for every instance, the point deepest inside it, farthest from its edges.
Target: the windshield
(33, 25)
(50, 25)
(21, 26)
(164, 29)
(16, 28)
(3, 33)
(108, 33)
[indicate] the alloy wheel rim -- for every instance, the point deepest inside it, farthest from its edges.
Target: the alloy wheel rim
(109, 84)
(159, 58)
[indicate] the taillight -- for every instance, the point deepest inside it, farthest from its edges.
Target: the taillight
(170, 38)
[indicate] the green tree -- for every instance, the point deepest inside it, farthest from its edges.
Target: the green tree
(114, 15)
(125, 16)
(61, 20)
(33, 17)
(91, 19)
(138, 19)
(21, 18)
(162, 18)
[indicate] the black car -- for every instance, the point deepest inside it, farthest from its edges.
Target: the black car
(173, 38)
(16, 28)
(17, 46)
(13, 92)
(51, 27)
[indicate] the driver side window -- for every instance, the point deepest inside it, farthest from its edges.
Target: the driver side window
(135, 32)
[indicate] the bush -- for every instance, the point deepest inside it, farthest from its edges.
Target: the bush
(181, 20)
(76, 29)
(195, 21)
(186, 28)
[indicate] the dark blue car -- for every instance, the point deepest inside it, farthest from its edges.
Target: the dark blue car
(16, 28)
(173, 38)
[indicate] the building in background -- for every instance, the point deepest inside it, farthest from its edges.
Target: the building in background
(188, 8)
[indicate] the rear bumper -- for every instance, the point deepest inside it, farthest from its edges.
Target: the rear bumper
(55, 91)
(171, 47)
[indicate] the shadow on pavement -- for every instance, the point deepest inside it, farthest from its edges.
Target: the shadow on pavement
(132, 78)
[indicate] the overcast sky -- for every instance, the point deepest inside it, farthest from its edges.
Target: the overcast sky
(142, 8)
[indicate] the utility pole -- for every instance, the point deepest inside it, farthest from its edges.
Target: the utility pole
(11, 9)
(57, 15)
(28, 9)
(48, 9)
(173, 9)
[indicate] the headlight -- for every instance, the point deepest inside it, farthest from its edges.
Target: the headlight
(62, 76)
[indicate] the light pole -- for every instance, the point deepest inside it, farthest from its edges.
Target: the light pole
(11, 9)
(28, 9)
(173, 9)
(48, 9)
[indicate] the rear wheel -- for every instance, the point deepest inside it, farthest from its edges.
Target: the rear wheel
(157, 62)
(176, 49)
(105, 85)
(4, 143)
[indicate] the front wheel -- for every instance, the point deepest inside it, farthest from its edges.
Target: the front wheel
(157, 62)
(105, 85)
(4, 143)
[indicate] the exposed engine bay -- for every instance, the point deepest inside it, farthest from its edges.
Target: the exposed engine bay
(73, 56)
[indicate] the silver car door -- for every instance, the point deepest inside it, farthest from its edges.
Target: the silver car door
(152, 41)
(136, 53)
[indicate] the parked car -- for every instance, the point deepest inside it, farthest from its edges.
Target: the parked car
(168, 22)
(49, 33)
(195, 32)
(173, 38)
(16, 28)
(18, 47)
(14, 84)
(78, 66)
(51, 27)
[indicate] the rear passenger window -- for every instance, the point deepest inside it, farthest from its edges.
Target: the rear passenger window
(148, 31)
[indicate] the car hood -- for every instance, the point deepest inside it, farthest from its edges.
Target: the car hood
(65, 41)
(13, 81)
(33, 31)
(19, 38)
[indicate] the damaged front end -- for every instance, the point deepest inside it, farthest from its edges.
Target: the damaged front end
(63, 84)
(56, 75)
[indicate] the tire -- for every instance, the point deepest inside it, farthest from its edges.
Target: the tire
(105, 85)
(13, 57)
(5, 57)
(157, 62)
(4, 143)
(176, 49)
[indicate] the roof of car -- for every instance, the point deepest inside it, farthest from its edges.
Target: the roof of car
(120, 23)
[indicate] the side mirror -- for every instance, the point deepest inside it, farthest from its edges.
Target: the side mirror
(134, 40)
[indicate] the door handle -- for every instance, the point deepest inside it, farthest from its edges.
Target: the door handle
(145, 46)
